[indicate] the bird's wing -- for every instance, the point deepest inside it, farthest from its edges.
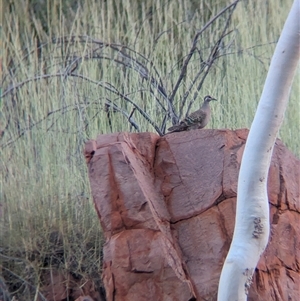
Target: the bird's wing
(178, 128)
(195, 117)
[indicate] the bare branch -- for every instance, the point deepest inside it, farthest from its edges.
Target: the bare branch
(213, 55)
(109, 103)
(194, 47)
(112, 89)
(21, 84)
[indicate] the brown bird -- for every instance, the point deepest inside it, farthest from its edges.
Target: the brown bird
(196, 120)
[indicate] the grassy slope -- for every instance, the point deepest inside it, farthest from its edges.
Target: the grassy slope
(45, 186)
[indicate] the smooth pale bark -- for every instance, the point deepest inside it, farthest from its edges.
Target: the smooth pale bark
(251, 231)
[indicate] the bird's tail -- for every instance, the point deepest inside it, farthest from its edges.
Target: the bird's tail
(177, 128)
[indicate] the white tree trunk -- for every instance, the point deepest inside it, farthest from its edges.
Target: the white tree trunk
(251, 231)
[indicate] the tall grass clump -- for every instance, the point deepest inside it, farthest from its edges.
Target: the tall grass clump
(76, 69)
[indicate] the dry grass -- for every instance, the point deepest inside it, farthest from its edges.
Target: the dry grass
(44, 189)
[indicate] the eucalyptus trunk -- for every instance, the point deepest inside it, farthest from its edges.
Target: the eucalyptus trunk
(252, 225)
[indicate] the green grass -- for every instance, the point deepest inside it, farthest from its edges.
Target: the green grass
(44, 187)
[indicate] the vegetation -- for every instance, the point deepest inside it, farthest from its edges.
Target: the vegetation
(73, 70)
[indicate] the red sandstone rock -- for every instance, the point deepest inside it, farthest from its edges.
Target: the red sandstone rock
(167, 209)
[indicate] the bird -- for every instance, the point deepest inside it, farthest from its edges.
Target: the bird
(196, 120)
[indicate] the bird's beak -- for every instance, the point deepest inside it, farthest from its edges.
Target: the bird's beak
(214, 99)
